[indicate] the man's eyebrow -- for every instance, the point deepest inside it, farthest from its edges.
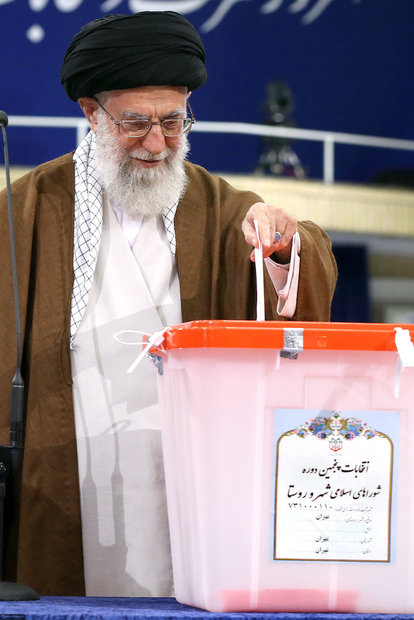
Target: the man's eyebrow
(135, 116)
(178, 112)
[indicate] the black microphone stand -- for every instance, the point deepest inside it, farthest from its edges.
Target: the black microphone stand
(11, 456)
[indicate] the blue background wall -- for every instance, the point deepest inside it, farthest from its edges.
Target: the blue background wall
(348, 63)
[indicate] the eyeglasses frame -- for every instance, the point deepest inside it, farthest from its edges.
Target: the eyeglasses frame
(119, 124)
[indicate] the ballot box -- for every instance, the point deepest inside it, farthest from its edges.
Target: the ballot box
(289, 463)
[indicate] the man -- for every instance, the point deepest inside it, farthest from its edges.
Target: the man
(124, 235)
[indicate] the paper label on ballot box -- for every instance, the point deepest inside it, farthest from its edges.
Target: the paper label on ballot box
(335, 479)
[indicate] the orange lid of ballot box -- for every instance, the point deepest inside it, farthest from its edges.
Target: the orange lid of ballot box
(275, 334)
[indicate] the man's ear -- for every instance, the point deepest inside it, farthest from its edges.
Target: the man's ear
(90, 109)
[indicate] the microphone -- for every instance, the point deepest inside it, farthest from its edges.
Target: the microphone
(11, 456)
(16, 408)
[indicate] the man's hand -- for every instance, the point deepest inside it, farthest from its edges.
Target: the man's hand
(270, 220)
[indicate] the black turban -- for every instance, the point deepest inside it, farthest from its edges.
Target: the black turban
(150, 48)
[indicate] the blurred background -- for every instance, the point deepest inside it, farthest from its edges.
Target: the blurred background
(333, 81)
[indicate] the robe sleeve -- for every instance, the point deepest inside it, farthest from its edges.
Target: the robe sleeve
(318, 274)
(217, 279)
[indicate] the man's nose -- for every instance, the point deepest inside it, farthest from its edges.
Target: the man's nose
(154, 140)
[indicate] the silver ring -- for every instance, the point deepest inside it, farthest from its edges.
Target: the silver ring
(278, 237)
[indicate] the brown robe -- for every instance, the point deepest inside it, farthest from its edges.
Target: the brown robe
(216, 282)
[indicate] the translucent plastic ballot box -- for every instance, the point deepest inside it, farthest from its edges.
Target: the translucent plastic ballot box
(289, 463)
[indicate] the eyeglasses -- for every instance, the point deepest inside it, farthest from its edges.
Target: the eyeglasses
(138, 128)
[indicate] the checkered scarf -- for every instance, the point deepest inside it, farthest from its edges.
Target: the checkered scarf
(88, 228)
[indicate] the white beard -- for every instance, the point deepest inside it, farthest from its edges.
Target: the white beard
(135, 189)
